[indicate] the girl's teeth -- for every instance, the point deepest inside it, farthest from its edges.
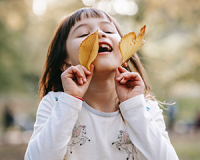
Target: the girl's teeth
(105, 46)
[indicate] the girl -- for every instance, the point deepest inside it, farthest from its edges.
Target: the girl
(101, 114)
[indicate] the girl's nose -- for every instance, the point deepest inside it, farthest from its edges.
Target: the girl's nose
(101, 34)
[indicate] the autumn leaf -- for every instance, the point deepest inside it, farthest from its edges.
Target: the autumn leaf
(130, 44)
(88, 50)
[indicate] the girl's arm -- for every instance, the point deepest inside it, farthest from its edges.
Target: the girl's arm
(53, 127)
(55, 121)
(146, 128)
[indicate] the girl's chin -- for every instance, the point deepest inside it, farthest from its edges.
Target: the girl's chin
(102, 63)
(105, 67)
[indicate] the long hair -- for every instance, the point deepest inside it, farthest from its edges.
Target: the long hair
(57, 53)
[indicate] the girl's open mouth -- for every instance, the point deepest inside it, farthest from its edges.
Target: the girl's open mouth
(104, 48)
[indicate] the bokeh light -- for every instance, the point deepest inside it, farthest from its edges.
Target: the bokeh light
(122, 7)
(88, 2)
(39, 7)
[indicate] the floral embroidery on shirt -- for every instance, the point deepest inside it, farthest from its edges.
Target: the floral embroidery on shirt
(124, 143)
(78, 135)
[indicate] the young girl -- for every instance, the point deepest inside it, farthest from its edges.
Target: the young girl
(101, 114)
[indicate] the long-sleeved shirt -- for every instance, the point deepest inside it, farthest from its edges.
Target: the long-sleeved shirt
(68, 128)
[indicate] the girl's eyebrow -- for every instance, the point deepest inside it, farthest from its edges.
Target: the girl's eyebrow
(107, 22)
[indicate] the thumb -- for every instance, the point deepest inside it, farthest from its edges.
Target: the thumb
(91, 70)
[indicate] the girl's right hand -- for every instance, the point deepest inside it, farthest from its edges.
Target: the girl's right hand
(76, 80)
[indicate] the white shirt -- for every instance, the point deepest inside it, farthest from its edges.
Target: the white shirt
(67, 128)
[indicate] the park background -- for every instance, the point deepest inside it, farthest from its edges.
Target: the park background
(171, 56)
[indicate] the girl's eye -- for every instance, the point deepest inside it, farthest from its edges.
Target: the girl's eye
(83, 35)
(108, 32)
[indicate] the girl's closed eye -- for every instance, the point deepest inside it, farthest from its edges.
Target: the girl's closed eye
(83, 35)
(109, 32)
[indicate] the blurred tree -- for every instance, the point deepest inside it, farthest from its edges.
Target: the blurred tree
(172, 49)
(170, 55)
(11, 31)
(24, 39)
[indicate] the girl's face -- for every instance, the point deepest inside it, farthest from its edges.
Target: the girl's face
(109, 56)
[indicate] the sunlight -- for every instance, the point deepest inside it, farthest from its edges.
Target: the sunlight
(125, 7)
(121, 6)
(39, 7)
(104, 6)
(88, 2)
(132, 9)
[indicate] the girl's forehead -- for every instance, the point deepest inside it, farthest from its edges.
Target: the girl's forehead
(84, 21)
(84, 18)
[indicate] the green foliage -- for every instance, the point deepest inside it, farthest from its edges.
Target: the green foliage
(170, 55)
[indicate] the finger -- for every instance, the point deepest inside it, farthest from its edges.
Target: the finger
(122, 75)
(89, 77)
(85, 70)
(127, 76)
(131, 78)
(78, 73)
(73, 70)
(121, 69)
(91, 68)
(123, 81)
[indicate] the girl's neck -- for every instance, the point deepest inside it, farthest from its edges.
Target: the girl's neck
(101, 94)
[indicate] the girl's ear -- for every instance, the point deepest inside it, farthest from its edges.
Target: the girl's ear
(65, 66)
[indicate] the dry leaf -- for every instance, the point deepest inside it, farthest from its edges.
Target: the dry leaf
(88, 50)
(127, 45)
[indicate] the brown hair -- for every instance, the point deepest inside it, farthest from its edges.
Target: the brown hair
(57, 54)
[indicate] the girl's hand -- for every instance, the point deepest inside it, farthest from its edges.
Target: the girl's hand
(128, 84)
(76, 79)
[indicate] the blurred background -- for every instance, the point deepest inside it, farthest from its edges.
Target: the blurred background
(171, 57)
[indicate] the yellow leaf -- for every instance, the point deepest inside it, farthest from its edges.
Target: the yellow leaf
(127, 45)
(88, 50)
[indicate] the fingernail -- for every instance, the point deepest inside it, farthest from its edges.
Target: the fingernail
(81, 81)
(84, 79)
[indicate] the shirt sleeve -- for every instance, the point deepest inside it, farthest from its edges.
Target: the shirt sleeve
(146, 128)
(53, 127)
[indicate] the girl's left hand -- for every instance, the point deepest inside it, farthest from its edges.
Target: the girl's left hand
(128, 84)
